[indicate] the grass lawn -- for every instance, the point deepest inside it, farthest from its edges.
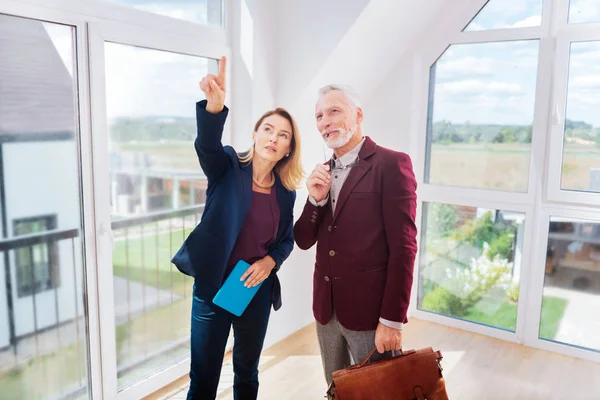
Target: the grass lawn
(553, 309)
(152, 266)
(505, 166)
(59, 371)
(50, 375)
(45, 376)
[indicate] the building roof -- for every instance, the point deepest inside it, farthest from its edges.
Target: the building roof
(36, 89)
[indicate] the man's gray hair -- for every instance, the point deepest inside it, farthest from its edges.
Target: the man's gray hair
(348, 91)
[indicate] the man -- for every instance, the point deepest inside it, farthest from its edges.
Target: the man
(361, 213)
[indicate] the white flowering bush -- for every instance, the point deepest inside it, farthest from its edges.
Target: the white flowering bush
(464, 287)
(483, 274)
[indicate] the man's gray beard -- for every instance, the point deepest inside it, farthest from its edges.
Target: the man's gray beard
(341, 141)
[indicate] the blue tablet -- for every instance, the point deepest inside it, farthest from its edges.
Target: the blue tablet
(233, 295)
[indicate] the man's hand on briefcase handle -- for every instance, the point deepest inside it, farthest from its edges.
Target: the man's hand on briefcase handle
(387, 339)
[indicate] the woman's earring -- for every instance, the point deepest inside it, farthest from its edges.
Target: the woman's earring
(287, 155)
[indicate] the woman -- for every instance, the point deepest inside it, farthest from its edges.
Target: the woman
(248, 216)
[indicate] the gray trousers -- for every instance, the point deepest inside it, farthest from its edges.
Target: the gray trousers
(341, 347)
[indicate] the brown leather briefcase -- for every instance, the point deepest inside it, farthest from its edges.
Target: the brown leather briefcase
(409, 376)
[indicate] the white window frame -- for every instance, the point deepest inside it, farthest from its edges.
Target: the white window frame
(516, 336)
(572, 34)
(543, 197)
(101, 10)
(19, 9)
(98, 22)
(536, 289)
(99, 34)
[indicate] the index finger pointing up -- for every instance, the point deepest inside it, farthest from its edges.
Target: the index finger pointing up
(222, 68)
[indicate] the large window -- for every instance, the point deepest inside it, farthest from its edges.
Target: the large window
(480, 124)
(37, 265)
(581, 150)
(572, 283)
(157, 192)
(43, 318)
(511, 162)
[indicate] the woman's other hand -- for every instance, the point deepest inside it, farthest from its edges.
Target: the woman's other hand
(258, 272)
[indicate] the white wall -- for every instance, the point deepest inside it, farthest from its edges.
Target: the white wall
(283, 52)
(361, 43)
(251, 28)
(42, 179)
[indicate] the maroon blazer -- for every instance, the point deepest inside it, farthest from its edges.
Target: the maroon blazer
(366, 251)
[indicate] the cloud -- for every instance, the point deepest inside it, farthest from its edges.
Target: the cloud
(502, 14)
(585, 82)
(476, 87)
(474, 26)
(469, 64)
(535, 20)
(142, 82)
(576, 99)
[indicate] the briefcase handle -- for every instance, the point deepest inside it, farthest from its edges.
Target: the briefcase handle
(368, 357)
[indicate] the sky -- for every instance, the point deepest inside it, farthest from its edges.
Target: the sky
(142, 82)
(487, 83)
(495, 83)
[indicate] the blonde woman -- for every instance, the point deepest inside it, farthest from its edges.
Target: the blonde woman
(248, 216)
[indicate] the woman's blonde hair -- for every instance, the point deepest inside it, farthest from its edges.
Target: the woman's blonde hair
(288, 168)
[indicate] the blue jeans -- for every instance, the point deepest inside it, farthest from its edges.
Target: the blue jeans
(210, 330)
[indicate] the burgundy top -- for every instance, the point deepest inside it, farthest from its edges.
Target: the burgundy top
(259, 230)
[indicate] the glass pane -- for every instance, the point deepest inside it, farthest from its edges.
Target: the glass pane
(584, 11)
(506, 14)
(571, 301)
(200, 11)
(157, 192)
(581, 152)
(481, 105)
(470, 263)
(43, 341)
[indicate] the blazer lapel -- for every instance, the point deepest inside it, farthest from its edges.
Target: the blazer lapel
(356, 174)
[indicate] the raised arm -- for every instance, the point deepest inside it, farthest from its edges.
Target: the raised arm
(210, 119)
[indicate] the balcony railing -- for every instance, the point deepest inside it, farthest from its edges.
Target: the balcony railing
(141, 272)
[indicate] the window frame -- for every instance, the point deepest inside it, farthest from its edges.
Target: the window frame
(94, 22)
(502, 29)
(554, 191)
(541, 196)
(98, 34)
(39, 10)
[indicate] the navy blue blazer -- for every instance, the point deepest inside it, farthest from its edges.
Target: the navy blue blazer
(205, 252)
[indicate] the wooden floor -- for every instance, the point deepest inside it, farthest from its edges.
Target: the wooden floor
(475, 367)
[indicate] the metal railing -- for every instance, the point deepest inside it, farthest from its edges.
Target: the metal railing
(70, 330)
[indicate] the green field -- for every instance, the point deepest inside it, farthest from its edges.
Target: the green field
(505, 166)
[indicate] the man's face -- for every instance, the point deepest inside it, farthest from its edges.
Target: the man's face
(337, 120)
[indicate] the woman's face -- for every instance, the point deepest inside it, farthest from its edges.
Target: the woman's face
(273, 139)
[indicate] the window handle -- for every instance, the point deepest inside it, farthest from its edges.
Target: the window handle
(102, 231)
(556, 115)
